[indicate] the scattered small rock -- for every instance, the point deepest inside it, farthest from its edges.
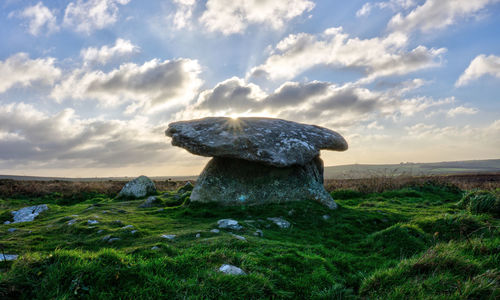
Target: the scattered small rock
(12, 229)
(100, 231)
(198, 235)
(150, 202)
(215, 230)
(291, 212)
(113, 240)
(106, 237)
(239, 237)
(72, 221)
(27, 214)
(160, 209)
(231, 270)
(133, 231)
(281, 223)
(229, 224)
(168, 236)
(258, 233)
(8, 257)
(128, 226)
(326, 217)
(92, 222)
(155, 248)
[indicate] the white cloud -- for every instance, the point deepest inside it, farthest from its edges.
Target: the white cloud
(36, 139)
(437, 14)
(106, 53)
(90, 15)
(312, 102)
(394, 5)
(233, 16)
(184, 13)
(479, 66)
(40, 19)
(19, 69)
(462, 110)
(376, 57)
(151, 86)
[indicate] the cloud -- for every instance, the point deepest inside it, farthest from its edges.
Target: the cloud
(87, 16)
(479, 66)
(394, 5)
(436, 14)
(312, 102)
(375, 57)
(462, 110)
(230, 17)
(29, 137)
(151, 86)
(19, 69)
(106, 53)
(184, 13)
(40, 19)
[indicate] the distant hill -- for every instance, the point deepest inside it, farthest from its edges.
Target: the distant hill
(413, 169)
(340, 172)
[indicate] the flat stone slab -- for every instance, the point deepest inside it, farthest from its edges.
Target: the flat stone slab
(269, 141)
(27, 214)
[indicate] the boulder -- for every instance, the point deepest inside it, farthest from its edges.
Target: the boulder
(229, 224)
(140, 187)
(150, 202)
(272, 142)
(27, 214)
(236, 182)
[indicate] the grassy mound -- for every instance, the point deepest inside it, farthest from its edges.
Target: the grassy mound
(375, 244)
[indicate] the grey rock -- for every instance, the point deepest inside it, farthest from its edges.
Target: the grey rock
(326, 217)
(128, 226)
(106, 237)
(229, 224)
(281, 223)
(140, 187)
(168, 236)
(239, 237)
(150, 202)
(111, 240)
(269, 141)
(92, 222)
(133, 231)
(236, 182)
(231, 270)
(215, 231)
(100, 231)
(12, 229)
(198, 235)
(27, 214)
(258, 233)
(72, 222)
(8, 257)
(155, 248)
(185, 188)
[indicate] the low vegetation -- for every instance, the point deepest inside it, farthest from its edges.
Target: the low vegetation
(422, 240)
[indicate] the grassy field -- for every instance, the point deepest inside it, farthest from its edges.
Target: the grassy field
(408, 239)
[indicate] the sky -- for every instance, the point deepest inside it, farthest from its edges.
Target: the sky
(88, 87)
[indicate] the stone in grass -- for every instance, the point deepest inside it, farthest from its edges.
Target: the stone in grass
(229, 224)
(215, 230)
(113, 240)
(92, 222)
(27, 214)
(12, 229)
(198, 235)
(155, 248)
(110, 239)
(281, 223)
(168, 236)
(128, 226)
(231, 270)
(239, 237)
(140, 187)
(8, 257)
(150, 202)
(258, 233)
(187, 187)
(72, 222)
(326, 217)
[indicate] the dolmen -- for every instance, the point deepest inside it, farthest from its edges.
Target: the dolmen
(257, 160)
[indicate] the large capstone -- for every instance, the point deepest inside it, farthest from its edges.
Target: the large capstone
(272, 142)
(230, 181)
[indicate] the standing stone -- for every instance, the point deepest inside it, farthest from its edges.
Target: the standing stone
(140, 187)
(257, 160)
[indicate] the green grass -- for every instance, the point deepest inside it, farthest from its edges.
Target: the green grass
(410, 243)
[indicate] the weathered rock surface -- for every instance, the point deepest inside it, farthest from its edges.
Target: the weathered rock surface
(231, 270)
(281, 223)
(140, 187)
(27, 214)
(150, 202)
(236, 182)
(273, 142)
(229, 224)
